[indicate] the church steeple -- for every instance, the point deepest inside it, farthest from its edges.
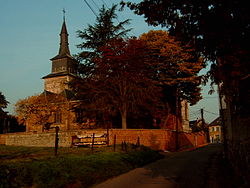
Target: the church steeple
(64, 66)
(64, 44)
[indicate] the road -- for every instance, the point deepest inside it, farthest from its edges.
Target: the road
(188, 169)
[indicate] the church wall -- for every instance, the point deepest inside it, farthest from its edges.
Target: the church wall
(56, 84)
(58, 114)
(59, 65)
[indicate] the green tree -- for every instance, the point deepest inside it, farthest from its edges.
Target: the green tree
(98, 34)
(3, 115)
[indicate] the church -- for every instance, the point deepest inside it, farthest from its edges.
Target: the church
(58, 92)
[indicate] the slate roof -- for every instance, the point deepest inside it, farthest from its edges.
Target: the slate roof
(51, 75)
(65, 93)
(216, 122)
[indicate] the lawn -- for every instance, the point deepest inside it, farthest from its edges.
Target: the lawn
(72, 167)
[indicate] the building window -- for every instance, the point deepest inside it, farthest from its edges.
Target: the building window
(79, 116)
(57, 117)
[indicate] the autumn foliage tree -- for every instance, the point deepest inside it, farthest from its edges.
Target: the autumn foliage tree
(120, 81)
(36, 111)
(173, 64)
(175, 68)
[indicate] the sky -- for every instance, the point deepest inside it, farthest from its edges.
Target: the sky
(29, 38)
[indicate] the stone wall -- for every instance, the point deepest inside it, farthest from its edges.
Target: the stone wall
(57, 84)
(159, 139)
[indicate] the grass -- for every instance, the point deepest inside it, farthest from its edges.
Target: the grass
(73, 167)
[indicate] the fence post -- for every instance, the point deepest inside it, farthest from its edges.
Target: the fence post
(56, 140)
(114, 142)
(138, 141)
(107, 135)
(93, 141)
(122, 146)
(125, 145)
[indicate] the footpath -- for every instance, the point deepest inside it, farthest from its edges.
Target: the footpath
(199, 168)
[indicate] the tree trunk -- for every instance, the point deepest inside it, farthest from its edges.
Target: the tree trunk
(124, 120)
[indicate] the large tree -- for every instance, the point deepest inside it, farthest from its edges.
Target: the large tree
(119, 82)
(174, 67)
(219, 30)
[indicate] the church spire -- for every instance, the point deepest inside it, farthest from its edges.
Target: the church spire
(64, 45)
(64, 66)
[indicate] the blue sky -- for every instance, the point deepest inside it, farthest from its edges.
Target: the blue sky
(29, 37)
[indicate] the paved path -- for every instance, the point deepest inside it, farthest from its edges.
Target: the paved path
(186, 169)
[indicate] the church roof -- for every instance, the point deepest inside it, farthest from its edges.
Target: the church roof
(216, 122)
(64, 45)
(69, 95)
(62, 56)
(58, 74)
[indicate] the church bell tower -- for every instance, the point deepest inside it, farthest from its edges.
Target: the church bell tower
(63, 66)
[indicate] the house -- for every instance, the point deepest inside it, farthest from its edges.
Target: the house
(215, 131)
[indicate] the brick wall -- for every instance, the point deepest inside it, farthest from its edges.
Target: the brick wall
(2, 139)
(189, 140)
(159, 139)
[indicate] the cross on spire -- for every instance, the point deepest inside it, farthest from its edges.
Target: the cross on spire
(64, 14)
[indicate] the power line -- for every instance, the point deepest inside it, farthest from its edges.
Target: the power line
(211, 112)
(116, 17)
(95, 4)
(105, 4)
(90, 8)
(194, 112)
(209, 97)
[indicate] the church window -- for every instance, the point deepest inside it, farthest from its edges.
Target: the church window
(57, 117)
(79, 116)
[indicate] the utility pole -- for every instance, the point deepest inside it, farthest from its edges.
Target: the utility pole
(202, 118)
(205, 129)
(223, 123)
